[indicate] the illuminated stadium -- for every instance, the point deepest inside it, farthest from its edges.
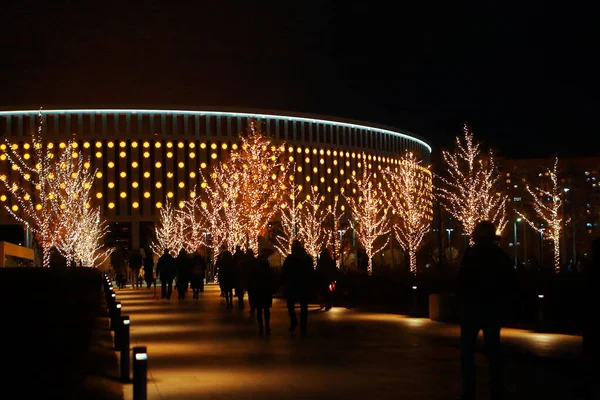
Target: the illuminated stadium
(145, 156)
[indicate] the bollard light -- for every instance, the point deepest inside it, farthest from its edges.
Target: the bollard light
(140, 373)
(115, 319)
(414, 288)
(540, 296)
(125, 348)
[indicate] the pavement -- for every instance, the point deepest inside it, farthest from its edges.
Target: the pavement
(197, 349)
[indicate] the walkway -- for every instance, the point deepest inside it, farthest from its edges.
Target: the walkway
(199, 350)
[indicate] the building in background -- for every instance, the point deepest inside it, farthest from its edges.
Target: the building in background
(146, 157)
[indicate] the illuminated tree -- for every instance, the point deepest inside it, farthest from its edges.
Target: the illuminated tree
(336, 230)
(547, 205)
(36, 206)
(89, 249)
(246, 189)
(311, 231)
(290, 219)
(410, 197)
(169, 231)
(71, 182)
(195, 225)
(468, 193)
(370, 213)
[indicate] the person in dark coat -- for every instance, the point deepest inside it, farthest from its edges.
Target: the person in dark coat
(261, 287)
(297, 280)
(149, 270)
(325, 275)
(249, 264)
(225, 269)
(135, 265)
(486, 279)
(184, 273)
(198, 272)
(118, 262)
(239, 261)
(166, 271)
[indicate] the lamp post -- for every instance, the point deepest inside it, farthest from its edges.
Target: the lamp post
(515, 240)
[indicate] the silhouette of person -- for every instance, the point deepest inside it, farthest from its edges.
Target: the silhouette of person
(225, 269)
(591, 333)
(184, 272)
(149, 270)
(135, 265)
(297, 279)
(261, 286)
(118, 262)
(239, 258)
(198, 273)
(486, 278)
(325, 275)
(166, 270)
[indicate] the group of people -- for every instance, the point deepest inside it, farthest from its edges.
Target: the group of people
(187, 270)
(133, 267)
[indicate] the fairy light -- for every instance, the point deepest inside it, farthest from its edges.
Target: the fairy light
(310, 229)
(549, 213)
(468, 193)
(369, 215)
(411, 199)
(289, 218)
(168, 231)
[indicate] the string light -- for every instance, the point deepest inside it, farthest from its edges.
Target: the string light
(369, 215)
(550, 214)
(469, 192)
(411, 199)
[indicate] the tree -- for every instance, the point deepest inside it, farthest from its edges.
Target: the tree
(336, 229)
(468, 193)
(410, 197)
(169, 231)
(290, 219)
(311, 232)
(547, 205)
(36, 206)
(89, 249)
(370, 213)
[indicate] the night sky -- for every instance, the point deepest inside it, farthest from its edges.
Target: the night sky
(511, 73)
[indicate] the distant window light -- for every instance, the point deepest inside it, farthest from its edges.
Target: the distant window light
(587, 172)
(515, 186)
(517, 199)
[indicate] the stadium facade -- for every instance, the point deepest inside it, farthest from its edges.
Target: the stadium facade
(145, 156)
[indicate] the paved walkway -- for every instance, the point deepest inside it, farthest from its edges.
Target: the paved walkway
(199, 350)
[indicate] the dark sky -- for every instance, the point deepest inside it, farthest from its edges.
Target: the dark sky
(510, 71)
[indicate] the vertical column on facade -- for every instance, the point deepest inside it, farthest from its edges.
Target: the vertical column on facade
(135, 200)
(146, 170)
(181, 172)
(111, 178)
(123, 179)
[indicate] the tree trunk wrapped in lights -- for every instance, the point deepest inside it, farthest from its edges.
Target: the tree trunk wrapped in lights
(370, 213)
(469, 192)
(335, 230)
(410, 196)
(195, 224)
(311, 232)
(547, 205)
(290, 218)
(169, 231)
(36, 206)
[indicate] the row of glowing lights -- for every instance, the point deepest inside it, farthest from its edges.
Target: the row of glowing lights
(203, 145)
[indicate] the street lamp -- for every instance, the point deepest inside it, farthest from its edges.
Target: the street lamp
(515, 240)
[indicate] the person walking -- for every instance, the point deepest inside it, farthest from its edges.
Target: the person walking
(225, 269)
(297, 279)
(239, 258)
(325, 275)
(198, 272)
(261, 286)
(183, 273)
(135, 266)
(166, 270)
(486, 279)
(118, 262)
(149, 276)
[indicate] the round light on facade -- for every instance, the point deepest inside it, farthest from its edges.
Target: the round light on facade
(123, 174)
(181, 204)
(157, 145)
(169, 174)
(135, 204)
(111, 145)
(134, 145)
(99, 195)
(192, 174)
(98, 174)
(181, 165)
(181, 185)
(224, 146)
(38, 207)
(170, 195)
(134, 164)
(111, 164)
(213, 156)
(146, 145)
(123, 195)
(3, 197)
(134, 185)
(111, 185)
(123, 144)
(203, 145)
(213, 146)
(98, 154)
(158, 204)
(170, 154)
(180, 145)
(146, 195)
(192, 145)
(111, 205)
(192, 155)
(146, 154)
(123, 154)
(158, 185)
(203, 165)
(158, 164)
(169, 145)
(15, 207)
(146, 174)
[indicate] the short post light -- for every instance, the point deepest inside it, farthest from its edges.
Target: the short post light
(125, 348)
(540, 308)
(140, 373)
